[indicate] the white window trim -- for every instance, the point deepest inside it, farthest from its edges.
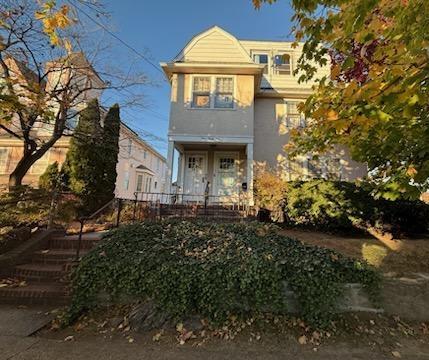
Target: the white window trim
(303, 120)
(270, 60)
(212, 92)
(281, 52)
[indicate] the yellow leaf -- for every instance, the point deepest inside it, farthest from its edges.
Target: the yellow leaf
(332, 115)
(411, 171)
(302, 340)
(335, 71)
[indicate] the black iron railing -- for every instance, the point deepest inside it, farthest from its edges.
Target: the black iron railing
(159, 205)
(83, 219)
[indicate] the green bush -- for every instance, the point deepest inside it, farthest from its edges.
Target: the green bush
(340, 206)
(215, 270)
(24, 206)
(50, 180)
(345, 206)
(327, 205)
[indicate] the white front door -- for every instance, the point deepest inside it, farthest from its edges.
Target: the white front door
(226, 176)
(195, 177)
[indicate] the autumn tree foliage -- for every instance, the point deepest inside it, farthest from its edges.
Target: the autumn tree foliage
(376, 100)
(48, 70)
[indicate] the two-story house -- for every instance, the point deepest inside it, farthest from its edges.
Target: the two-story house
(233, 105)
(140, 167)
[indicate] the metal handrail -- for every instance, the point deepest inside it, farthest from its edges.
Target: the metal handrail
(82, 220)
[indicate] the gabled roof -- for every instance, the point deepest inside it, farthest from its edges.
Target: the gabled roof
(217, 45)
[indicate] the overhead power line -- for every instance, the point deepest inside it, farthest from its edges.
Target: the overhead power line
(117, 38)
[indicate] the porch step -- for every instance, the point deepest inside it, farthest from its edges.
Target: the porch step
(32, 294)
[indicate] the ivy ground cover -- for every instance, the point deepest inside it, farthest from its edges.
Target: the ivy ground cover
(216, 270)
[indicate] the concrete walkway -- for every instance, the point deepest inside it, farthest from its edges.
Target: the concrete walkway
(17, 343)
(34, 348)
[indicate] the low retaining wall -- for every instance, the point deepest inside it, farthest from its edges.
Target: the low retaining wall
(21, 253)
(406, 297)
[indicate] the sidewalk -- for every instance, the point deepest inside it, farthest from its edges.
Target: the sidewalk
(34, 348)
(17, 343)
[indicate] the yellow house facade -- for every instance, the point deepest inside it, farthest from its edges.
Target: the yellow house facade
(233, 105)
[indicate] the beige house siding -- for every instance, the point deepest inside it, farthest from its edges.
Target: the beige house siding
(272, 134)
(214, 45)
(185, 120)
(281, 83)
(257, 125)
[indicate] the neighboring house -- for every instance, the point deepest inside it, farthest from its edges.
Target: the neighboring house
(233, 105)
(140, 167)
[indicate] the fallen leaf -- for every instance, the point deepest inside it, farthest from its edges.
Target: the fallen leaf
(396, 354)
(302, 340)
(69, 338)
(157, 336)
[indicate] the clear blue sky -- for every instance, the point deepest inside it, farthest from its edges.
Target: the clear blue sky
(163, 27)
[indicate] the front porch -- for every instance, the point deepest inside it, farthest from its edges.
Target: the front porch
(210, 172)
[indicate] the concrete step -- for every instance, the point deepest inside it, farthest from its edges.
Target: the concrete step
(42, 273)
(32, 294)
(56, 256)
(72, 241)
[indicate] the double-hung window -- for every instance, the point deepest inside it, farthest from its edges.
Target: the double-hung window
(224, 93)
(201, 92)
(294, 118)
(333, 168)
(212, 92)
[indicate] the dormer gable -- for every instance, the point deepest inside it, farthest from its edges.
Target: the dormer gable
(214, 45)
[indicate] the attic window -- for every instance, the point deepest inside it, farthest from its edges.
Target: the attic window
(261, 59)
(201, 92)
(282, 64)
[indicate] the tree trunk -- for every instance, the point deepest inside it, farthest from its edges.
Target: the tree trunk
(17, 175)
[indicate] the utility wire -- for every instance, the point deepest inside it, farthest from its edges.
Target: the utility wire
(118, 38)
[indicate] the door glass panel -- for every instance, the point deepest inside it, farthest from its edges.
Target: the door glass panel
(226, 177)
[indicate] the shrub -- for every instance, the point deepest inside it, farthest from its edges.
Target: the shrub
(50, 179)
(24, 206)
(270, 194)
(339, 206)
(402, 216)
(215, 270)
(327, 205)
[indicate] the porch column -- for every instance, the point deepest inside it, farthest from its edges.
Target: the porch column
(249, 151)
(180, 168)
(170, 159)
